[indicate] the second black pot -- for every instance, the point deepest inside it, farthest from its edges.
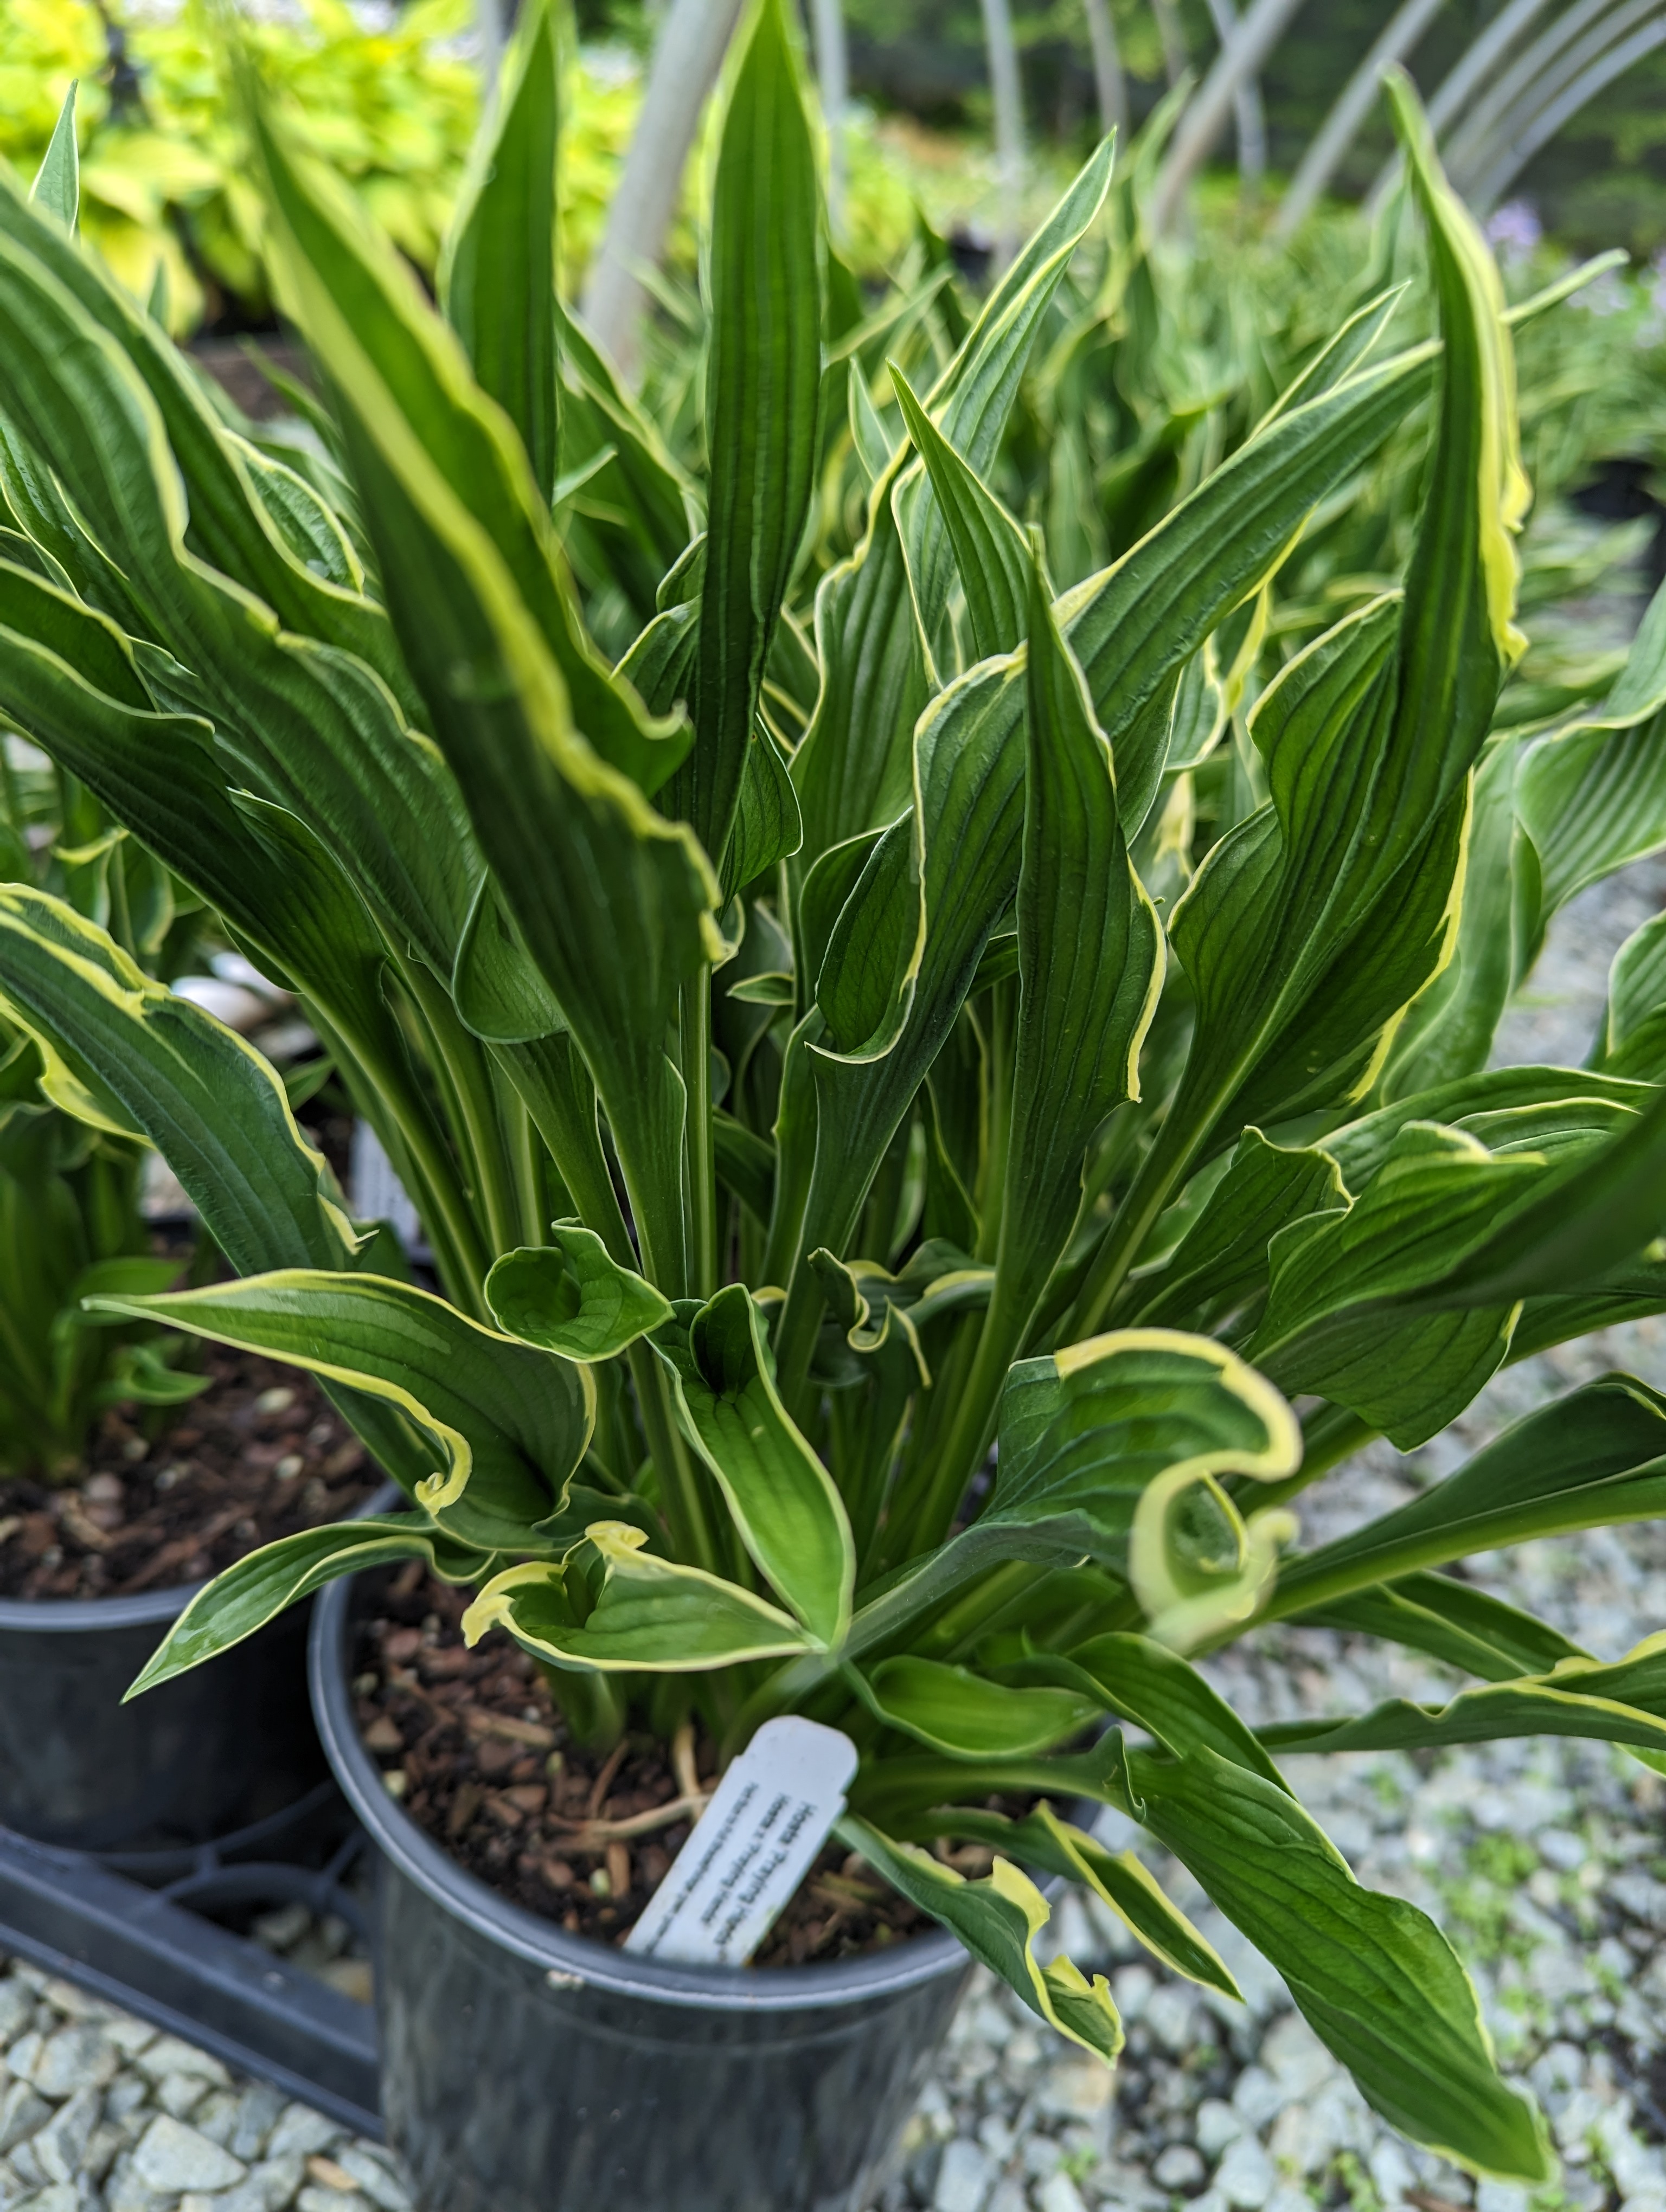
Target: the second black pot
(215, 1750)
(527, 2071)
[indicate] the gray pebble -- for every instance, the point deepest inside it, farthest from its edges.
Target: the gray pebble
(216, 2116)
(172, 2157)
(1178, 2168)
(964, 2178)
(125, 2096)
(24, 2055)
(78, 2058)
(1132, 1987)
(1257, 2097)
(301, 2129)
(271, 2185)
(1218, 2124)
(168, 2055)
(375, 2176)
(1171, 2017)
(180, 2094)
(22, 2111)
(60, 2196)
(125, 2192)
(16, 2007)
(60, 2146)
(257, 2112)
(1246, 2176)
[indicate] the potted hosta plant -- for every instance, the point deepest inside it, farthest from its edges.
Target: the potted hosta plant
(127, 1475)
(878, 1247)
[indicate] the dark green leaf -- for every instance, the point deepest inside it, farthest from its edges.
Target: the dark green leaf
(763, 395)
(497, 272)
(1378, 1981)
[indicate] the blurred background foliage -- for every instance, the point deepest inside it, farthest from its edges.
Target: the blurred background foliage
(390, 96)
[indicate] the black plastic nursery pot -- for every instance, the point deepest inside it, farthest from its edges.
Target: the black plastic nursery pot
(525, 2069)
(214, 1750)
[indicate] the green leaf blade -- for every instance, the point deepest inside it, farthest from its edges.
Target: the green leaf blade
(497, 274)
(790, 1516)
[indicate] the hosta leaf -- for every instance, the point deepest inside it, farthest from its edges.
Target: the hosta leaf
(499, 992)
(1155, 1689)
(379, 343)
(1352, 345)
(307, 725)
(989, 549)
(790, 1516)
(258, 863)
(971, 401)
(123, 1053)
(498, 271)
(1622, 1702)
(1376, 1979)
(1348, 1020)
(767, 827)
(1445, 1239)
(1205, 557)
(1633, 1030)
(97, 655)
(1368, 737)
(1452, 1621)
(1602, 1202)
(763, 398)
(1053, 1846)
(866, 979)
(853, 768)
(661, 663)
(652, 1616)
(1133, 1430)
(512, 1423)
(57, 188)
(66, 295)
(554, 1085)
(569, 1297)
(1436, 1197)
(874, 449)
(1090, 968)
(1222, 1259)
(966, 1714)
(648, 502)
(1449, 1031)
(997, 1920)
(1586, 1461)
(613, 903)
(1593, 797)
(311, 530)
(1131, 1434)
(1473, 1104)
(746, 1164)
(263, 1583)
(1633, 1039)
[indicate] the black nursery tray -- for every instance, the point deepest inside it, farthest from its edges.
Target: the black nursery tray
(134, 1929)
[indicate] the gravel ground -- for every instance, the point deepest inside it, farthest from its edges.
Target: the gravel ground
(1545, 1860)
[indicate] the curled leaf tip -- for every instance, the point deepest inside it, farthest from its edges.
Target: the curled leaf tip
(616, 1540)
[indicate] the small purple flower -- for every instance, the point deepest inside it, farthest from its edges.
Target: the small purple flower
(1514, 230)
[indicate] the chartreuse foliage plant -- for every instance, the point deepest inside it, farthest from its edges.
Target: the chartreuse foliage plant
(804, 1092)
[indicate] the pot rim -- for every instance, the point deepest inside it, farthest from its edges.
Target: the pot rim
(81, 1616)
(568, 1961)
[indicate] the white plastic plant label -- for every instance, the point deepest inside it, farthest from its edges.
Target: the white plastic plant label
(750, 1848)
